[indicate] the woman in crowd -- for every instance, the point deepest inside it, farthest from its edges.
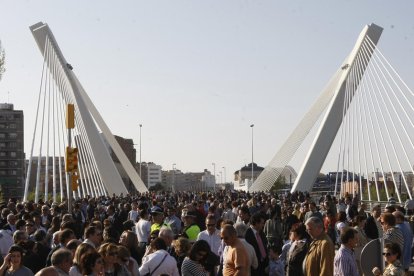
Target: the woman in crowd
(125, 260)
(130, 241)
(298, 250)
(159, 262)
(392, 255)
(81, 250)
(193, 264)
(109, 253)
(92, 264)
(273, 229)
(341, 223)
(13, 264)
(182, 247)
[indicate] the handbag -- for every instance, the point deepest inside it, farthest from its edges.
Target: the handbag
(150, 273)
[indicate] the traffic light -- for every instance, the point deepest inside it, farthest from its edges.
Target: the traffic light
(75, 183)
(71, 160)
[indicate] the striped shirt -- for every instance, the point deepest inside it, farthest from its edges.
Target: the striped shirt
(345, 263)
(394, 235)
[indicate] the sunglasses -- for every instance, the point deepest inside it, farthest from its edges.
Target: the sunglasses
(387, 254)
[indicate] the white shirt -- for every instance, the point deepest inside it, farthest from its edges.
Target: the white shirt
(150, 262)
(213, 240)
(133, 215)
(143, 230)
(252, 254)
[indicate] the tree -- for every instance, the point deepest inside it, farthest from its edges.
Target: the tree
(2, 61)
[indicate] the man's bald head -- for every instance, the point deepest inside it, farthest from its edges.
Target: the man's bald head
(47, 271)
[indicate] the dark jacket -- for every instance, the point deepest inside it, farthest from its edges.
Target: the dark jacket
(263, 261)
(295, 259)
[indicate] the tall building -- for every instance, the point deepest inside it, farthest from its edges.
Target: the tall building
(151, 173)
(191, 181)
(12, 160)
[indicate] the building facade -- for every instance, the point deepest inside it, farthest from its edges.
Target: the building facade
(12, 158)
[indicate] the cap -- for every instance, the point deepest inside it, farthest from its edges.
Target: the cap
(156, 209)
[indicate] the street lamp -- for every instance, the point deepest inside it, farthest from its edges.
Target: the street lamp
(224, 169)
(221, 177)
(140, 163)
(214, 173)
(252, 125)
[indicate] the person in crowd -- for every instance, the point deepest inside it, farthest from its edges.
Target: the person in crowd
(134, 213)
(64, 237)
(392, 255)
(157, 219)
(6, 240)
(47, 271)
(191, 229)
(298, 250)
(182, 248)
(341, 223)
(228, 213)
(81, 250)
(344, 262)
(93, 236)
(72, 245)
(360, 221)
(320, 256)
(273, 228)
(235, 258)
(276, 265)
(62, 261)
(407, 236)
(31, 259)
(241, 229)
(109, 253)
(288, 220)
(13, 263)
(373, 227)
(126, 261)
(11, 223)
(143, 231)
(313, 212)
(159, 262)
(42, 244)
(256, 237)
(92, 264)
(351, 209)
(173, 221)
(130, 241)
(194, 264)
(244, 215)
(211, 235)
(391, 233)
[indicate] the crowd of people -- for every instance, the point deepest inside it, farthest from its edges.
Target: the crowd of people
(188, 233)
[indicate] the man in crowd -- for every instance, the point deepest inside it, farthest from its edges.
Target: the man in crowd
(62, 261)
(93, 236)
(191, 229)
(405, 229)
(211, 234)
(344, 262)
(236, 258)
(256, 237)
(173, 221)
(373, 227)
(320, 257)
(241, 229)
(391, 233)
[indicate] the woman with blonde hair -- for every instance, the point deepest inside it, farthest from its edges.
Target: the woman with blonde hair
(109, 253)
(81, 250)
(182, 248)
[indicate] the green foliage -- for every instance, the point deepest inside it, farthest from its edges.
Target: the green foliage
(279, 184)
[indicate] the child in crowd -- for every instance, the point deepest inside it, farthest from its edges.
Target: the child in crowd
(276, 265)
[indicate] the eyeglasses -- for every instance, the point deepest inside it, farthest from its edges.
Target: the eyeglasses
(387, 254)
(210, 225)
(30, 225)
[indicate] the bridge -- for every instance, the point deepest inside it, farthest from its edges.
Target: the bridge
(363, 118)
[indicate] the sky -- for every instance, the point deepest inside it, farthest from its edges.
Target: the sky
(197, 74)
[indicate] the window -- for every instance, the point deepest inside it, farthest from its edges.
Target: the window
(2, 126)
(12, 126)
(3, 163)
(3, 153)
(11, 135)
(2, 145)
(13, 172)
(2, 135)
(13, 154)
(12, 145)
(13, 163)
(3, 172)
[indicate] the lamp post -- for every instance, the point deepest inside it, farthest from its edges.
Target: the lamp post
(173, 179)
(224, 170)
(214, 173)
(252, 125)
(140, 163)
(221, 177)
